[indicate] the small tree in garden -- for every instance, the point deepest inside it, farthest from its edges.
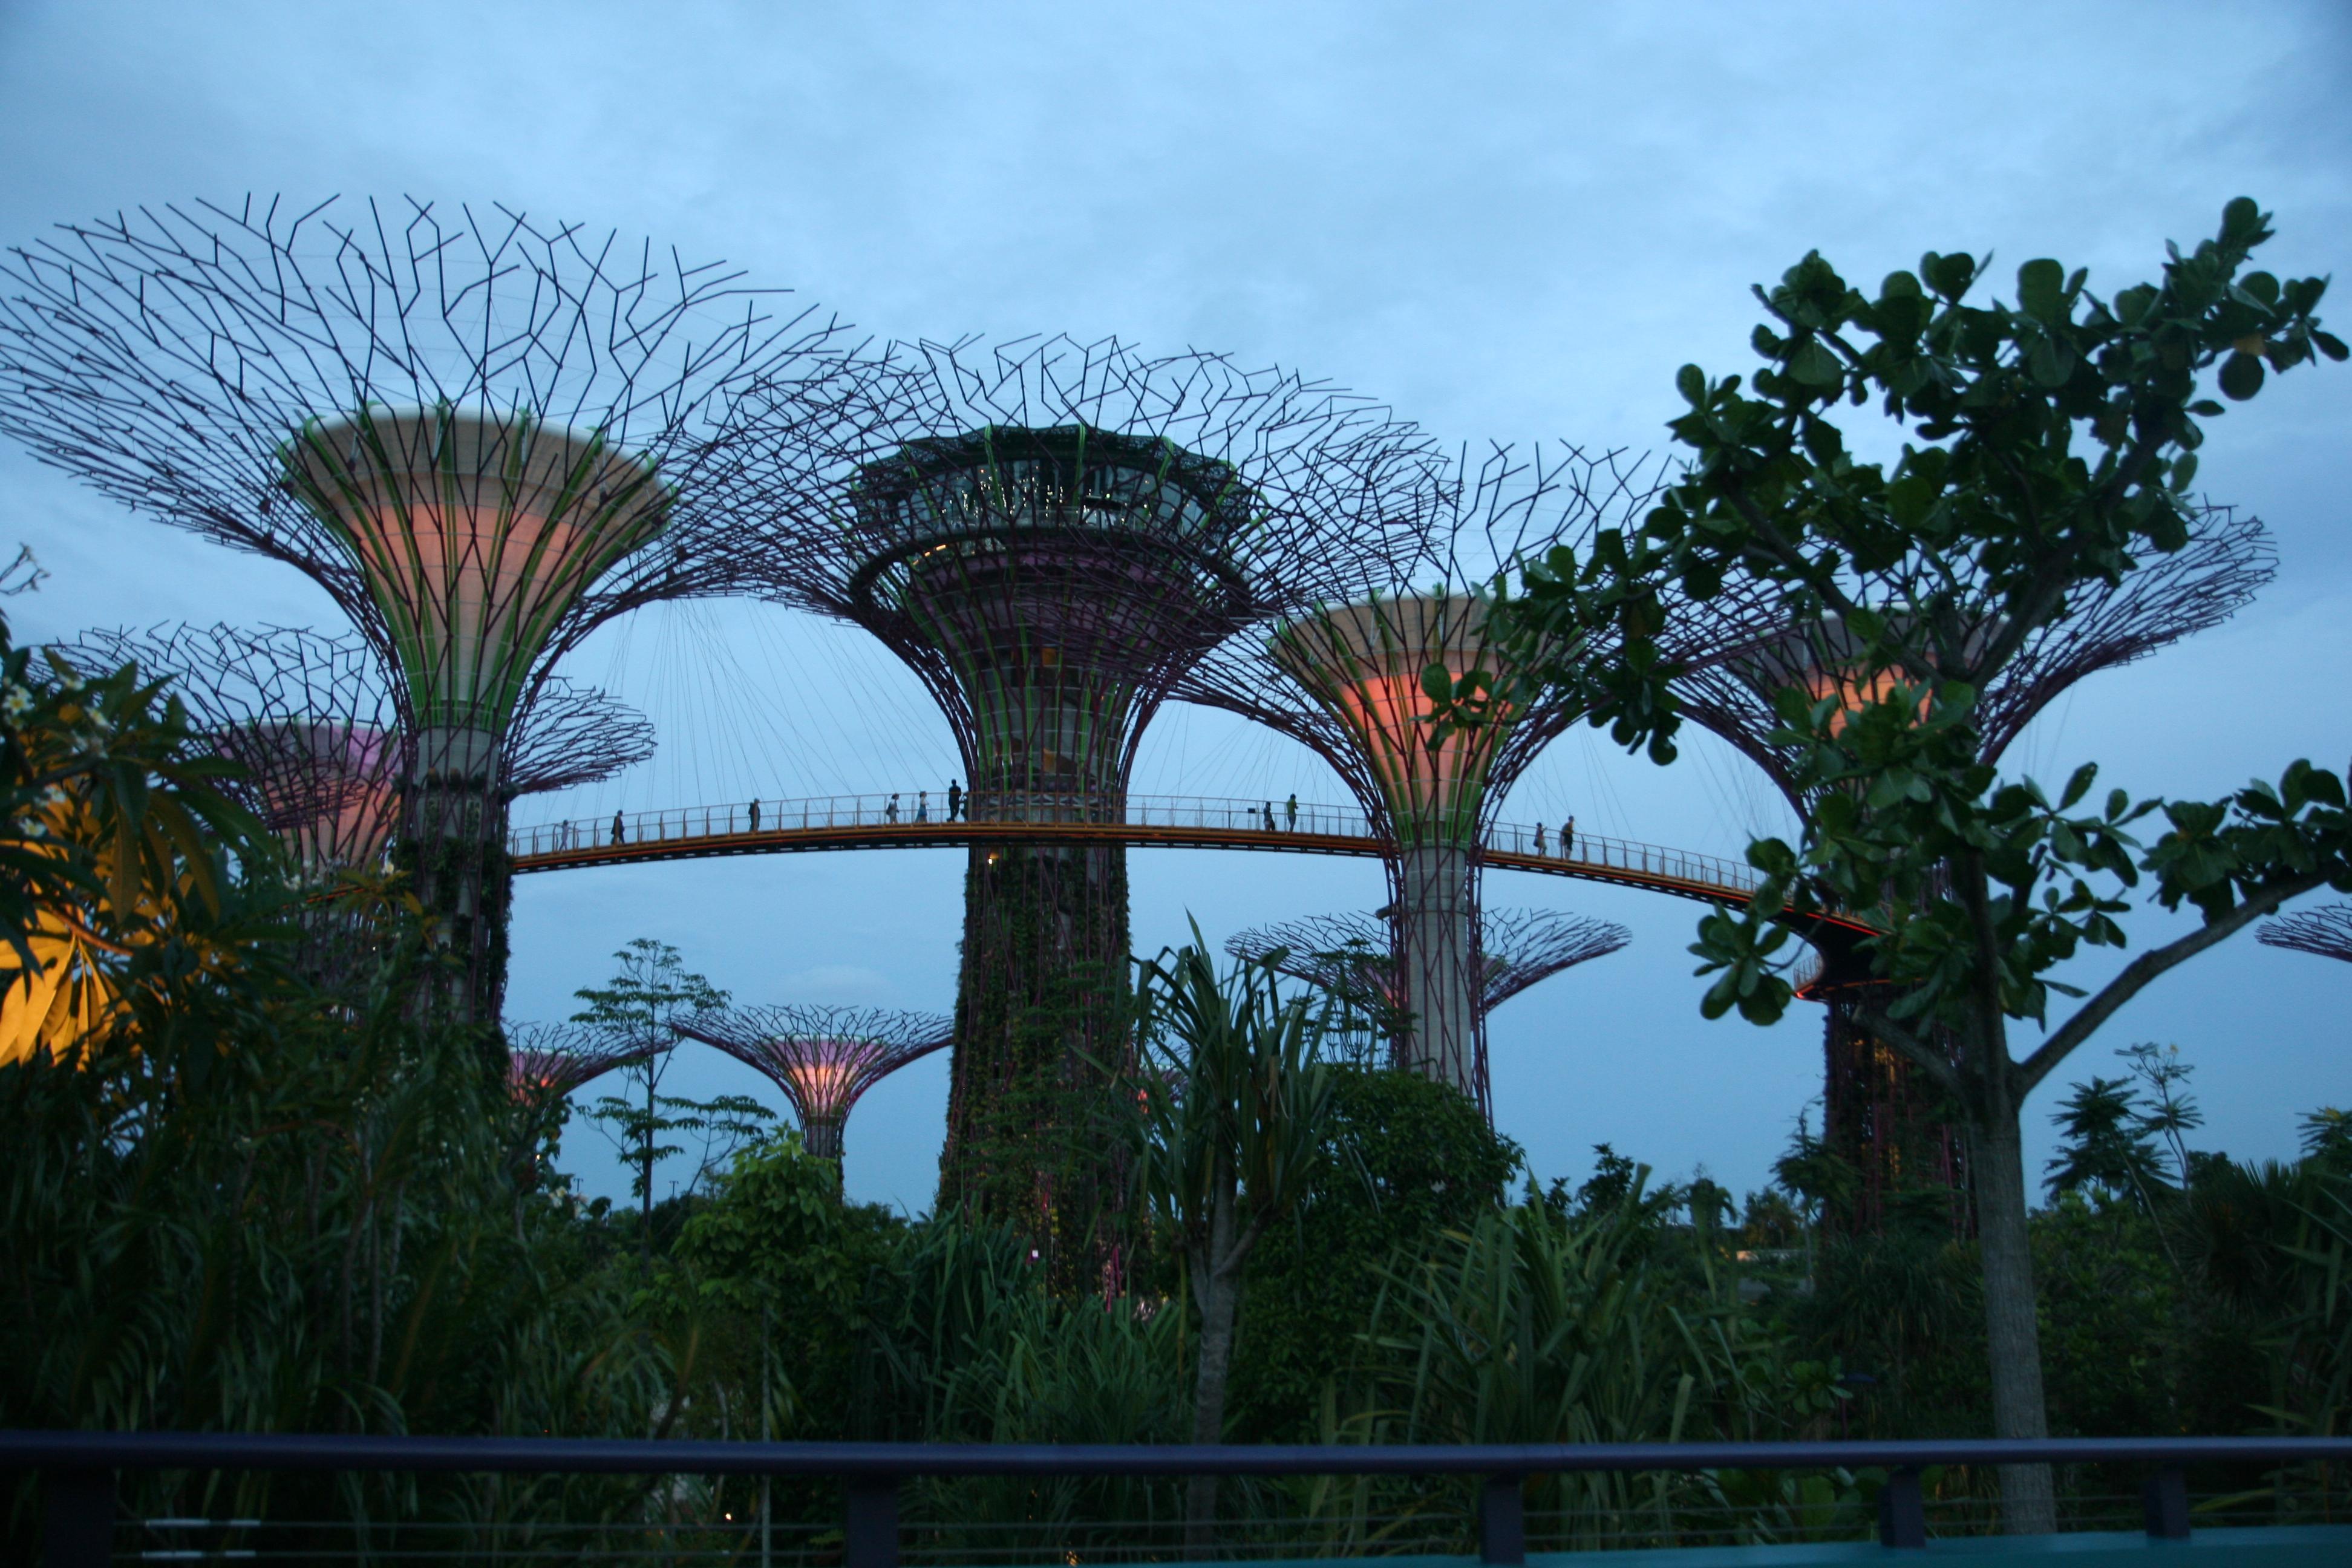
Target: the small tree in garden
(2048, 443)
(1235, 1106)
(639, 1008)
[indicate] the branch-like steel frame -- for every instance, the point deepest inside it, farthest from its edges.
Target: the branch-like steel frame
(1351, 956)
(1344, 678)
(2228, 559)
(206, 364)
(2324, 932)
(1051, 533)
(315, 726)
(546, 1062)
(823, 1058)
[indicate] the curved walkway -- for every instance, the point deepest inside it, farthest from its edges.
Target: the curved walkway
(898, 822)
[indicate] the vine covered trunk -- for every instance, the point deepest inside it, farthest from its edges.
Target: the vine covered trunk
(1041, 1029)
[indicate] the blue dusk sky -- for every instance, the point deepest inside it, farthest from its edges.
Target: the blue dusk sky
(1510, 221)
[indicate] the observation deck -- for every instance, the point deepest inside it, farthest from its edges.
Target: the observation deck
(1175, 822)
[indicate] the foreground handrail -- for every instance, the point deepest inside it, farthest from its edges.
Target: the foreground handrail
(78, 1469)
(684, 1456)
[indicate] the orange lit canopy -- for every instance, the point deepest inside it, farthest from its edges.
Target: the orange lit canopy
(476, 532)
(1363, 663)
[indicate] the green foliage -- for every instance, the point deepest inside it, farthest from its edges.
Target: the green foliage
(2110, 1305)
(2049, 445)
(1541, 1325)
(2105, 1143)
(1429, 1163)
(772, 1272)
(649, 994)
(1043, 1010)
(1232, 1132)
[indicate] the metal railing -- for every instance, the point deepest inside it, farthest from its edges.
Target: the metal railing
(79, 1471)
(916, 817)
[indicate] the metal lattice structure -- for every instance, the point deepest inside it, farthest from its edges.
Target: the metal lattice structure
(2324, 932)
(1353, 956)
(1050, 534)
(1344, 678)
(546, 1062)
(824, 1059)
(2227, 560)
(1876, 1113)
(314, 724)
(482, 437)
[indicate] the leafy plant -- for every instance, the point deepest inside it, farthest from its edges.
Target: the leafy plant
(2050, 445)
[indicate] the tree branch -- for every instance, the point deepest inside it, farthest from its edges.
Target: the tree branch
(2140, 971)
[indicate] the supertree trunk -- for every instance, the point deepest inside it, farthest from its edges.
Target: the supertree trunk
(1043, 1021)
(1882, 1118)
(1443, 1030)
(455, 845)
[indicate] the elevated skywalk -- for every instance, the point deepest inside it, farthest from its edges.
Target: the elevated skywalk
(912, 821)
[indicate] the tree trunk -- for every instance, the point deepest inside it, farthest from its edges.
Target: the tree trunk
(2012, 1336)
(645, 1208)
(2012, 1333)
(1217, 1289)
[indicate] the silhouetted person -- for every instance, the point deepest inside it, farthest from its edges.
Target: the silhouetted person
(955, 800)
(922, 805)
(890, 812)
(620, 830)
(755, 815)
(1290, 811)
(1269, 817)
(1568, 839)
(1539, 847)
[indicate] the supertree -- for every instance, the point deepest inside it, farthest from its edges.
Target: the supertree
(824, 1059)
(545, 1062)
(1353, 955)
(1050, 533)
(1345, 677)
(1878, 1113)
(313, 723)
(482, 437)
(2323, 932)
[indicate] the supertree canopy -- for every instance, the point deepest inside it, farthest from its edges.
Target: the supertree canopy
(1050, 534)
(823, 1058)
(545, 1062)
(313, 722)
(2227, 559)
(1877, 1113)
(482, 437)
(1353, 957)
(2323, 932)
(1344, 677)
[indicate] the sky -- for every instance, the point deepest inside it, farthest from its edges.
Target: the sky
(1512, 222)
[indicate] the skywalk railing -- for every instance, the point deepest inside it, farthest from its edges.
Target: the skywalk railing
(83, 1515)
(914, 816)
